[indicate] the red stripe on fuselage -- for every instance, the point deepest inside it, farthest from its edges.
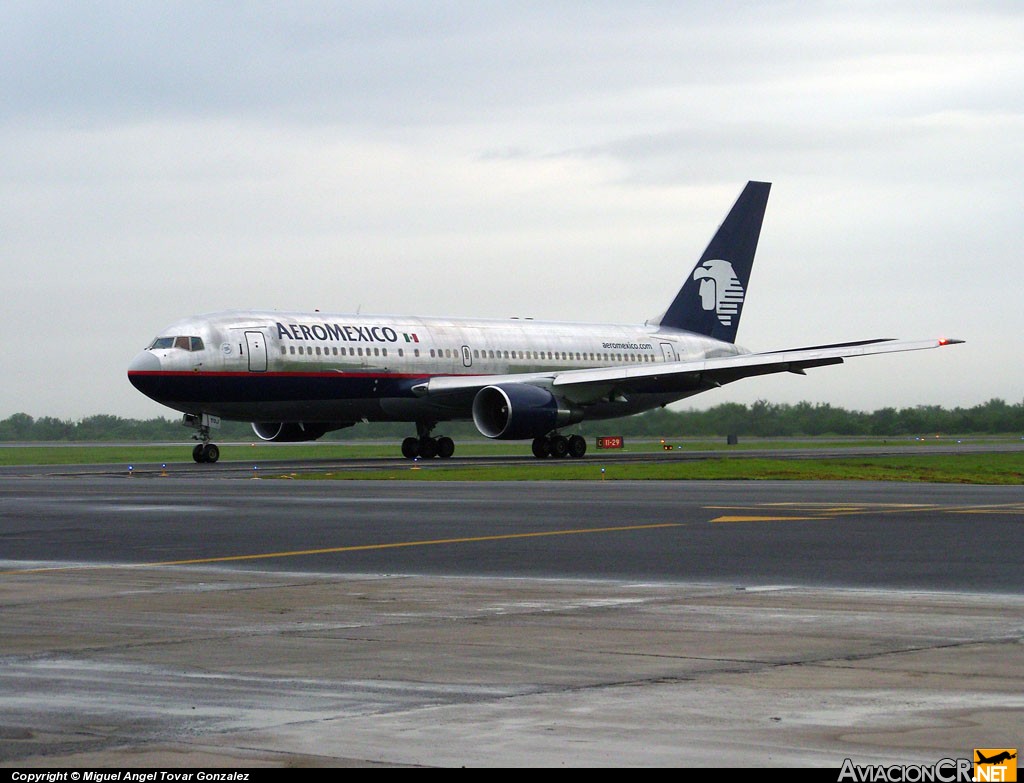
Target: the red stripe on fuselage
(272, 374)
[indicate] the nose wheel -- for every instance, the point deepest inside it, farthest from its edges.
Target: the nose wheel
(206, 452)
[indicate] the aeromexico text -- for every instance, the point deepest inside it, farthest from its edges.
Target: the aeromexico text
(385, 334)
(347, 332)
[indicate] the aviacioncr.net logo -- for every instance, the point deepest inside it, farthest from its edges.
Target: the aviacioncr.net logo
(995, 765)
(720, 289)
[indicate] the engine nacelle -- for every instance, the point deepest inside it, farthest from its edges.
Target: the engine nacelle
(517, 411)
(293, 431)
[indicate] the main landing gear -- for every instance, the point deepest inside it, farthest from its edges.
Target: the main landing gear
(559, 446)
(553, 445)
(426, 447)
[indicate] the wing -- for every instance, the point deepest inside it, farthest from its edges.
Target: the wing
(684, 378)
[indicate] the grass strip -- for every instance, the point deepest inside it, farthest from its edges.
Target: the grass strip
(959, 469)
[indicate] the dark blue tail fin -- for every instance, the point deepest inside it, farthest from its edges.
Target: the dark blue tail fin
(711, 300)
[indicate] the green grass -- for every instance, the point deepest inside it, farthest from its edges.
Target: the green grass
(100, 454)
(961, 469)
(968, 468)
(140, 454)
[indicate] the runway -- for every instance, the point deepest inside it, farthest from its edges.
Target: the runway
(822, 534)
(236, 621)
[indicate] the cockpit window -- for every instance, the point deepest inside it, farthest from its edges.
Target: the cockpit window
(185, 343)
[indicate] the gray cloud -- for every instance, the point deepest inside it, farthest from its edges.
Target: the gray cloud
(165, 159)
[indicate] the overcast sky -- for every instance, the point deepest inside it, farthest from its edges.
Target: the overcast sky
(563, 161)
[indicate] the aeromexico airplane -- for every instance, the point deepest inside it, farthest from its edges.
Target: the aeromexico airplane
(297, 376)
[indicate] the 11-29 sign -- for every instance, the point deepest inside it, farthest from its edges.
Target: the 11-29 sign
(610, 442)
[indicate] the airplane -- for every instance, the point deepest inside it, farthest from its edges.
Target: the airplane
(297, 376)
(996, 759)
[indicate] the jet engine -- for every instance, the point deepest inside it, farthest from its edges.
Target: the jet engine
(293, 431)
(516, 411)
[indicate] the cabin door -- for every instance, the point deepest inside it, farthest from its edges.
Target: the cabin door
(257, 351)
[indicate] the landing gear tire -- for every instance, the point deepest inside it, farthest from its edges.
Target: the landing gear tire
(541, 448)
(445, 447)
(428, 448)
(206, 453)
(577, 446)
(559, 446)
(411, 448)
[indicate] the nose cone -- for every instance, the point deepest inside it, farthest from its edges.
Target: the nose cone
(144, 362)
(142, 372)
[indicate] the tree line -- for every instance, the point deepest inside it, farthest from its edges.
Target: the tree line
(761, 419)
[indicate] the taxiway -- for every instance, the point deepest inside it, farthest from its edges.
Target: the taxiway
(168, 621)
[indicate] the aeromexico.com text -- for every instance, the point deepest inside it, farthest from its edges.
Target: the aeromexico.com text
(628, 346)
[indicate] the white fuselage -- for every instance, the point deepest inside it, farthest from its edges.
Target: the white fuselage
(263, 365)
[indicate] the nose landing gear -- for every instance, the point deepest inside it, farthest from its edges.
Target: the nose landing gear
(204, 452)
